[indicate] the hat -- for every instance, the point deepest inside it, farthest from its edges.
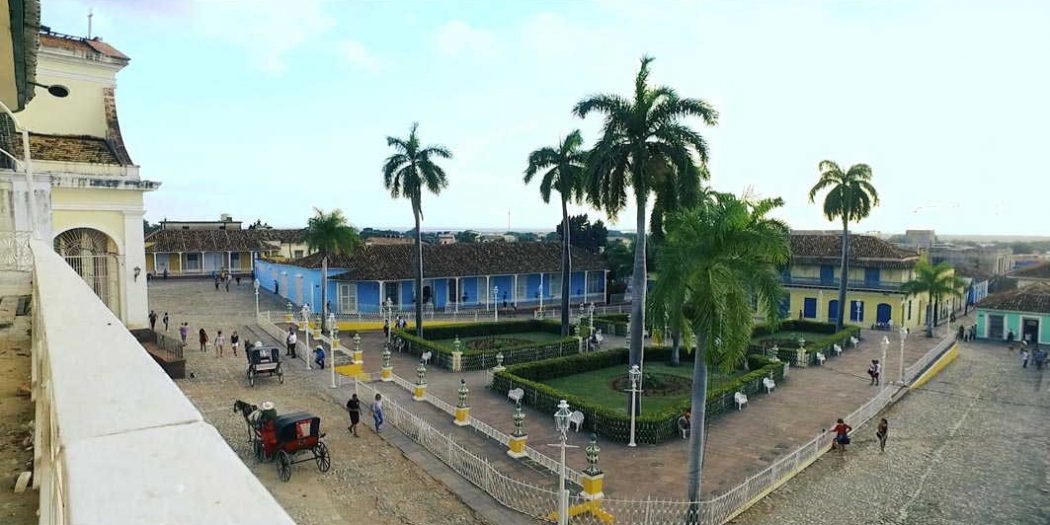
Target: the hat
(268, 405)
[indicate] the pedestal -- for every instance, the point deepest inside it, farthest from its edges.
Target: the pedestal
(592, 486)
(462, 416)
(517, 447)
(355, 369)
(288, 318)
(358, 356)
(419, 393)
(387, 374)
(457, 361)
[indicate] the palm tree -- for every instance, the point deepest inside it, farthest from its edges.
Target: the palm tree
(937, 281)
(405, 173)
(850, 198)
(565, 165)
(716, 257)
(330, 234)
(645, 146)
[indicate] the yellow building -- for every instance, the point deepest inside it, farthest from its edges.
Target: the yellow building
(204, 248)
(877, 269)
(87, 194)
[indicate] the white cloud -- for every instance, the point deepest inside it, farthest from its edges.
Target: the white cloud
(456, 38)
(357, 55)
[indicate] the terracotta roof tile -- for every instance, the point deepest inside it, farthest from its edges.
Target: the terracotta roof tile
(84, 45)
(1039, 271)
(172, 241)
(1034, 298)
(865, 249)
(66, 148)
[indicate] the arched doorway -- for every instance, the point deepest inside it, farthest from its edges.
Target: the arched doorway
(883, 313)
(93, 255)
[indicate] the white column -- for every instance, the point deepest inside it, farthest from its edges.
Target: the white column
(514, 291)
(155, 269)
(134, 304)
(202, 262)
(585, 290)
(382, 298)
(229, 261)
(488, 293)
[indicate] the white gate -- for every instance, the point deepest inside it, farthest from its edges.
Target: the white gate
(93, 255)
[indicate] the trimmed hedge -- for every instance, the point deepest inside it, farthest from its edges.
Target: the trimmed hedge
(475, 359)
(792, 355)
(652, 427)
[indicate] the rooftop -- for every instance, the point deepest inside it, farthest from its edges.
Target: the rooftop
(66, 148)
(90, 47)
(867, 250)
(1039, 271)
(1032, 299)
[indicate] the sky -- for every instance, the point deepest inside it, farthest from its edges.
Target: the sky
(265, 109)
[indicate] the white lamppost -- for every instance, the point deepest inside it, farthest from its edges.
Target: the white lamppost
(495, 304)
(561, 424)
(857, 310)
(635, 375)
(256, 286)
(885, 344)
(590, 312)
(306, 333)
(389, 317)
(333, 334)
(904, 335)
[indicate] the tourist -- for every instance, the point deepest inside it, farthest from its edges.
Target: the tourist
(842, 431)
(238, 278)
(290, 341)
(227, 284)
(276, 288)
(871, 371)
(220, 343)
(166, 319)
(353, 406)
(881, 433)
(235, 339)
(203, 337)
(877, 373)
(377, 411)
(165, 274)
(386, 328)
(184, 330)
(216, 282)
(1024, 358)
(1040, 358)
(152, 320)
(319, 356)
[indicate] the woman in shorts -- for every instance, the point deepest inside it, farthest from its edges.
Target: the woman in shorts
(842, 431)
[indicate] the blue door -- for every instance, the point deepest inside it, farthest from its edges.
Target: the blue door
(833, 310)
(856, 311)
(827, 274)
(809, 307)
(871, 277)
(883, 313)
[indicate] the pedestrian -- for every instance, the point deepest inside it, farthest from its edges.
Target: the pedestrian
(842, 431)
(386, 328)
(319, 356)
(871, 371)
(1024, 358)
(220, 344)
(238, 278)
(235, 339)
(1040, 358)
(290, 341)
(353, 406)
(877, 376)
(184, 330)
(203, 337)
(276, 288)
(166, 319)
(227, 284)
(165, 274)
(881, 433)
(377, 412)
(152, 320)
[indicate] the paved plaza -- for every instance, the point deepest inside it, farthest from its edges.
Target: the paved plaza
(971, 447)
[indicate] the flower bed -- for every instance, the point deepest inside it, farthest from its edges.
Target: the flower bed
(652, 427)
(481, 356)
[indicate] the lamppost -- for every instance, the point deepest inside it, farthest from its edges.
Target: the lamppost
(256, 286)
(590, 312)
(635, 375)
(333, 333)
(561, 424)
(857, 310)
(904, 335)
(306, 333)
(389, 317)
(495, 303)
(541, 293)
(885, 344)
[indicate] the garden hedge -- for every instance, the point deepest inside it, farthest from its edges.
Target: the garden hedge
(650, 427)
(791, 352)
(473, 359)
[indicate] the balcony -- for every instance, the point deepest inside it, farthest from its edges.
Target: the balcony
(833, 284)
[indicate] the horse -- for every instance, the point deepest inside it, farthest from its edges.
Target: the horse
(246, 409)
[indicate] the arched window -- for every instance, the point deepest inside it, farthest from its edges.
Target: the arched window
(93, 255)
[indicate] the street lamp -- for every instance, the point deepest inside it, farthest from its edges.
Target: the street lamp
(857, 310)
(885, 344)
(541, 293)
(333, 343)
(635, 375)
(306, 333)
(904, 335)
(256, 286)
(590, 312)
(389, 317)
(495, 304)
(561, 424)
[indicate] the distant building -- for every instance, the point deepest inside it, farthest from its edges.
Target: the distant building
(1030, 275)
(446, 238)
(225, 222)
(388, 241)
(1024, 312)
(991, 259)
(196, 248)
(921, 240)
(977, 284)
(496, 237)
(1029, 259)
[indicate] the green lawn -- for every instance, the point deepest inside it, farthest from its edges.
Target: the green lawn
(596, 385)
(534, 337)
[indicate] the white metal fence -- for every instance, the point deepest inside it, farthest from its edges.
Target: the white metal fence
(15, 255)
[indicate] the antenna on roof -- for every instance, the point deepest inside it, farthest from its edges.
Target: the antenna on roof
(91, 13)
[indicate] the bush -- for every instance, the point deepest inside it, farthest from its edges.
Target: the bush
(653, 427)
(480, 359)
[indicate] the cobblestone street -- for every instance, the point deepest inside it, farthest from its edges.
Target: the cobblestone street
(972, 446)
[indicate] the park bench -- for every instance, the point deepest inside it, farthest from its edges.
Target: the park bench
(837, 349)
(426, 357)
(576, 419)
(741, 399)
(769, 384)
(516, 394)
(821, 358)
(853, 341)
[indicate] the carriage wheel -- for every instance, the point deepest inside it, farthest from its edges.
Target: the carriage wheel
(324, 461)
(251, 377)
(284, 466)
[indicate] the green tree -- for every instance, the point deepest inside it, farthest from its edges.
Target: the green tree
(718, 256)
(467, 236)
(850, 198)
(938, 281)
(591, 236)
(564, 168)
(148, 228)
(620, 258)
(406, 173)
(329, 234)
(645, 146)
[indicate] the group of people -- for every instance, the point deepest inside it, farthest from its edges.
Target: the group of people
(399, 324)
(842, 431)
(875, 371)
(153, 321)
(1038, 356)
(966, 333)
(224, 278)
(219, 343)
(353, 407)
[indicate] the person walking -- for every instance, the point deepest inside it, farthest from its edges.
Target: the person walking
(203, 337)
(166, 319)
(877, 372)
(319, 356)
(235, 339)
(1024, 358)
(227, 284)
(871, 371)
(184, 331)
(216, 282)
(377, 411)
(386, 328)
(841, 430)
(353, 406)
(152, 321)
(220, 344)
(1040, 358)
(290, 341)
(881, 433)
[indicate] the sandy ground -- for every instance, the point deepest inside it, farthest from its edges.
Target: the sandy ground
(16, 414)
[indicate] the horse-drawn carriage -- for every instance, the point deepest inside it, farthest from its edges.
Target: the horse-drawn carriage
(263, 360)
(287, 439)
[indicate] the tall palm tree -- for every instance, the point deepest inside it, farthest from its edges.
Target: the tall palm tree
(565, 165)
(716, 257)
(644, 146)
(330, 234)
(937, 281)
(406, 173)
(850, 198)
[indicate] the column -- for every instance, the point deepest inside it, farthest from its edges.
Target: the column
(202, 263)
(155, 269)
(586, 291)
(381, 298)
(229, 261)
(488, 293)
(514, 291)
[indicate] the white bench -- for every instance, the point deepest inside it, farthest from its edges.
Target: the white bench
(837, 349)
(821, 358)
(576, 418)
(769, 384)
(741, 399)
(516, 395)
(426, 357)
(853, 341)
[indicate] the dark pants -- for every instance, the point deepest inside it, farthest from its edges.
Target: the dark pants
(291, 350)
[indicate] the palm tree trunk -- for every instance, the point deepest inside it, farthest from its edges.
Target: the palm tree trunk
(324, 293)
(844, 275)
(419, 271)
(696, 424)
(638, 294)
(676, 346)
(566, 268)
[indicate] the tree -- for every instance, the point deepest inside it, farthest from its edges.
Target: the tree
(850, 198)
(564, 167)
(645, 146)
(259, 225)
(620, 258)
(467, 236)
(329, 234)
(718, 256)
(585, 234)
(148, 228)
(937, 281)
(406, 173)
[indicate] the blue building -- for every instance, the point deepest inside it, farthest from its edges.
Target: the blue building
(455, 276)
